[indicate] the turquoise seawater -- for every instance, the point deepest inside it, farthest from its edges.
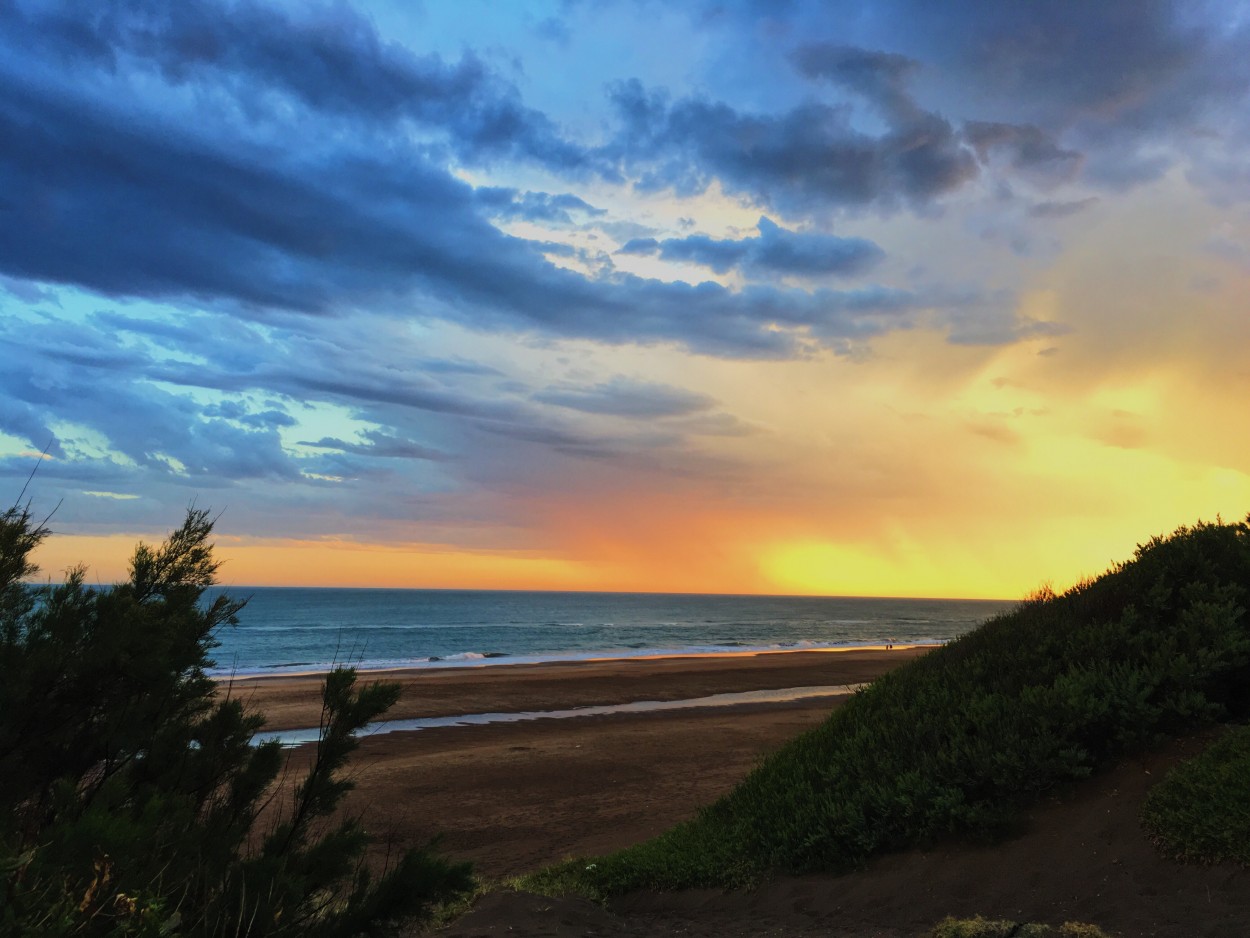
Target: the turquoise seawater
(300, 629)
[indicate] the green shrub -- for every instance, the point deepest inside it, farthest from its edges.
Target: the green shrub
(1200, 812)
(130, 793)
(1080, 930)
(959, 741)
(977, 927)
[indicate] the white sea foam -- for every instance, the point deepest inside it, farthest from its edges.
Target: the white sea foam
(472, 659)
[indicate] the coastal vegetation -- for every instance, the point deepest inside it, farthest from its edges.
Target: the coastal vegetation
(134, 800)
(957, 743)
(1201, 811)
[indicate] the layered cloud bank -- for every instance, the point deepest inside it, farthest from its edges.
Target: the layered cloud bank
(776, 297)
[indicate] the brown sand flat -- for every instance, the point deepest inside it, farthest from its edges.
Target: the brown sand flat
(515, 796)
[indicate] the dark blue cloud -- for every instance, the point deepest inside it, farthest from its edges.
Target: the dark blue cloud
(379, 446)
(879, 77)
(25, 421)
(125, 204)
(807, 159)
(118, 195)
(1108, 61)
(124, 207)
(508, 204)
(1061, 209)
(133, 420)
(146, 405)
(1117, 81)
(152, 430)
(775, 251)
(640, 246)
(1028, 149)
(1132, 87)
(622, 397)
(29, 293)
(235, 410)
(330, 61)
(555, 30)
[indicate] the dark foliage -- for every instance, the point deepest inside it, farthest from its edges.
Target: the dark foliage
(1200, 812)
(130, 792)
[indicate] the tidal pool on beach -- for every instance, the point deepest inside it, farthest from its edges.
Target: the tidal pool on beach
(298, 737)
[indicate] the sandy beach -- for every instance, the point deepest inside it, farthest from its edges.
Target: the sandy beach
(512, 797)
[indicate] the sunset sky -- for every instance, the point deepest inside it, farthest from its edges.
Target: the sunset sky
(877, 298)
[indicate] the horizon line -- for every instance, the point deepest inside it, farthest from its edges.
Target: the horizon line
(610, 592)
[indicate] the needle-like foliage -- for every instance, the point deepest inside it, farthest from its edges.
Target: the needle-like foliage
(132, 793)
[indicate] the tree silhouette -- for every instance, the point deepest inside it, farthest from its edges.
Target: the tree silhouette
(131, 792)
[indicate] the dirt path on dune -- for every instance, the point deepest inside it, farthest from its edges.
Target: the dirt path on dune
(1081, 858)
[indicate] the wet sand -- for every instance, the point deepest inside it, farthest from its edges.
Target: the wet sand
(293, 701)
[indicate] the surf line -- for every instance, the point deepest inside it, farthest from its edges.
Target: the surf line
(290, 738)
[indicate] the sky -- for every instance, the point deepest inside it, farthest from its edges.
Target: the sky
(855, 298)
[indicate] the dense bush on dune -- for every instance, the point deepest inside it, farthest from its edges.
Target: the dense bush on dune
(959, 741)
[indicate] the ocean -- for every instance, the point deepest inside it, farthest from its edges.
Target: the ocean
(295, 629)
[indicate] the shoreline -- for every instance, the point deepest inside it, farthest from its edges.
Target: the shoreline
(292, 701)
(474, 661)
